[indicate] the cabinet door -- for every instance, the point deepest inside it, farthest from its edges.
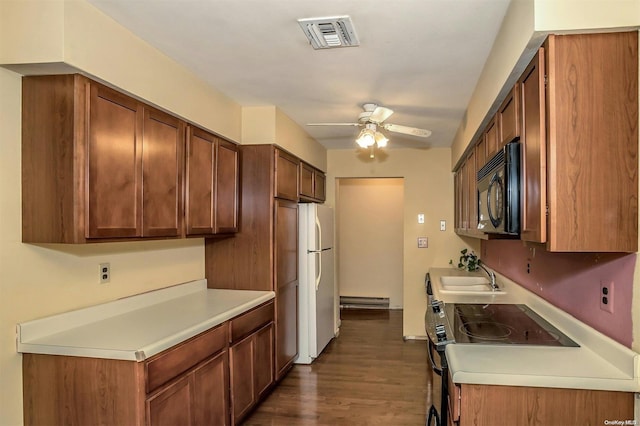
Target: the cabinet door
(481, 153)
(172, 405)
(472, 193)
(319, 186)
(306, 180)
(491, 138)
(509, 117)
(534, 158)
(211, 392)
(286, 175)
(200, 175)
(286, 273)
(227, 188)
(114, 201)
(457, 202)
(286, 327)
(263, 359)
(162, 174)
(242, 378)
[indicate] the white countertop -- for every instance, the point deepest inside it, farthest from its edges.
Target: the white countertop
(600, 363)
(137, 327)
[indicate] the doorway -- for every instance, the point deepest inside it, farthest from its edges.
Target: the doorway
(370, 236)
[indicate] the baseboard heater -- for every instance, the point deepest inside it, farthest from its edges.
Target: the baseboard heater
(361, 302)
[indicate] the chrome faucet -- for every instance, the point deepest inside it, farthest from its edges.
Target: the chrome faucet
(492, 277)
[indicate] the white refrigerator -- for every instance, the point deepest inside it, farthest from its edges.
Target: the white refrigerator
(317, 295)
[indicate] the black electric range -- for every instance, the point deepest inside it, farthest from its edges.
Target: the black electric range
(509, 324)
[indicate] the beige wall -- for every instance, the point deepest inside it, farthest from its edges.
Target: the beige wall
(370, 239)
(428, 189)
(268, 124)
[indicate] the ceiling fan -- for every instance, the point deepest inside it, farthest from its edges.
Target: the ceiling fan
(372, 119)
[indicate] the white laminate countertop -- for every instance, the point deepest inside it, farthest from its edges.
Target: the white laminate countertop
(600, 363)
(137, 327)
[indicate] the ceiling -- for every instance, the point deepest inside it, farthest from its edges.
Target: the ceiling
(421, 58)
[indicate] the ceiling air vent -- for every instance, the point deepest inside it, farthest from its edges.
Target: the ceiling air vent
(329, 33)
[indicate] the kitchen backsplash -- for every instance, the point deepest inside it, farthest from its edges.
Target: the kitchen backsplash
(571, 281)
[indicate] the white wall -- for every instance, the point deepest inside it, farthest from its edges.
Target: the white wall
(369, 224)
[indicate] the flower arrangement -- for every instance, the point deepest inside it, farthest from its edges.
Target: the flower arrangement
(468, 260)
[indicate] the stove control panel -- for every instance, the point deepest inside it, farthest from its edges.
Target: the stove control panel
(437, 325)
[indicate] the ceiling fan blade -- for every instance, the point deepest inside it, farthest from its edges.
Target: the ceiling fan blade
(407, 130)
(380, 114)
(333, 124)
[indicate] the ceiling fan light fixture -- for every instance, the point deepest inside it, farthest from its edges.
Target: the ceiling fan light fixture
(381, 140)
(366, 138)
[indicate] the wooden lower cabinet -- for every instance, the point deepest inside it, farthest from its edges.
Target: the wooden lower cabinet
(251, 371)
(214, 378)
(516, 405)
(172, 405)
(251, 359)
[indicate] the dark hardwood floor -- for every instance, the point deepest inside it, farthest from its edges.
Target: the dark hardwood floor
(366, 376)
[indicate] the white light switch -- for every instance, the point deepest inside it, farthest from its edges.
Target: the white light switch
(443, 225)
(421, 218)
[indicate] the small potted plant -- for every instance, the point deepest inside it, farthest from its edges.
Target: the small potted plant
(468, 261)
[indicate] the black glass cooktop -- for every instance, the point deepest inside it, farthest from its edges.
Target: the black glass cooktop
(503, 324)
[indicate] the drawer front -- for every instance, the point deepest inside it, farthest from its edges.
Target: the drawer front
(246, 323)
(175, 361)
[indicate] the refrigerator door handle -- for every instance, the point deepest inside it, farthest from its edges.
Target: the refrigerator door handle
(318, 251)
(319, 230)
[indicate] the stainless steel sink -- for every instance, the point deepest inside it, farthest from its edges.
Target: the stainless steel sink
(467, 284)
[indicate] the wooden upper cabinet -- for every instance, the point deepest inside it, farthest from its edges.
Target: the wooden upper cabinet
(200, 182)
(534, 157)
(508, 118)
(491, 138)
(286, 175)
(99, 165)
(580, 144)
(466, 197)
(592, 125)
(312, 183)
(114, 171)
(227, 187)
(163, 151)
(212, 184)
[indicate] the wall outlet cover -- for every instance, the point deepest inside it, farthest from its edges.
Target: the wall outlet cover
(423, 242)
(606, 296)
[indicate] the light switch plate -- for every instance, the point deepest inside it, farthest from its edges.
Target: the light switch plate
(443, 225)
(423, 242)
(421, 218)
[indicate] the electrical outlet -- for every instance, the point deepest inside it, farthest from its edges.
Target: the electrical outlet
(105, 273)
(443, 225)
(423, 242)
(606, 296)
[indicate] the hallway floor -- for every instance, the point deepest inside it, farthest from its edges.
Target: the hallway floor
(366, 376)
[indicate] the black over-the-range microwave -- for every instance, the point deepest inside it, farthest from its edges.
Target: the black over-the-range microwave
(499, 192)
